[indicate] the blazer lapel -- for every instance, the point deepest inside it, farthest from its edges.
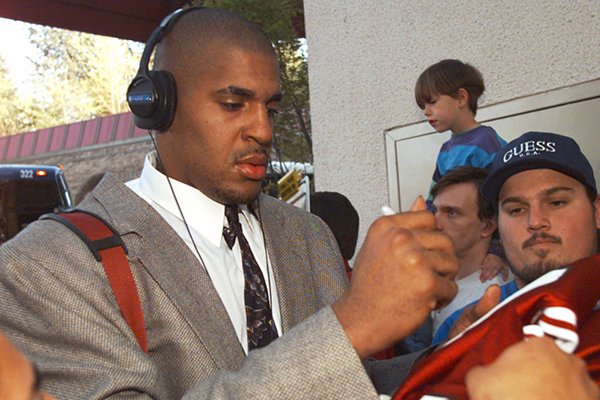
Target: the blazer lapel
(174, 267)
(291, 266)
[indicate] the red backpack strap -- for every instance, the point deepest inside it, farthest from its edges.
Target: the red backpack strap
(108, 247)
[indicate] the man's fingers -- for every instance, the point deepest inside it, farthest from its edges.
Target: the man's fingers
(443, 264)
(492, 265)
(486, 275)
(445, 291)
(473, 376)
(558, 375)
(417, 218)
(413, 220)
(436, 282)
(432, 249)
(489, 300)
(419, 204)
(466, 318)
(427, 248)
(434, 241)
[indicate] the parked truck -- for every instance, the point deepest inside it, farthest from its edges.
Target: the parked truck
(27, 192)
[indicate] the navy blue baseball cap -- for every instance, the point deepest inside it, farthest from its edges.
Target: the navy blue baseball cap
(538, 150)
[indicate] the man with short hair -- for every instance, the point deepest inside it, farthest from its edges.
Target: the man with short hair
(242, 295)
(341, 217)
(462, 213)
(548, 207)
(548, 214)
(469, 220)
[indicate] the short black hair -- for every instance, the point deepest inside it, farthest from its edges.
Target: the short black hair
(201, 32)
(341, 217)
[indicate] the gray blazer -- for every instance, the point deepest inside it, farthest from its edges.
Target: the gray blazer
(56, 305)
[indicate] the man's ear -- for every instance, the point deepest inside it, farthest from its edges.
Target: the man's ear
(489, 227)
(597, 211)
(463, 97)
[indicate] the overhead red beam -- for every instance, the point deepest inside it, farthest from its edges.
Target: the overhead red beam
(125, 19)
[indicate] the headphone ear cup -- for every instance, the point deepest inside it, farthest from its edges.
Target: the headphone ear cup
(141, 98)
(152, 99)
(166, 100)
(152, 95)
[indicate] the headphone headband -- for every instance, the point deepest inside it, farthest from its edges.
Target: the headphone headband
(158, 34)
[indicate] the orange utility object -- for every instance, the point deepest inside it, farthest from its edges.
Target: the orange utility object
(108, 247)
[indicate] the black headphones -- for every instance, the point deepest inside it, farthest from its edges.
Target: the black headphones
(152, 95)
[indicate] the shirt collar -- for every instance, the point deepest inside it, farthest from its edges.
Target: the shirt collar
(202, 214)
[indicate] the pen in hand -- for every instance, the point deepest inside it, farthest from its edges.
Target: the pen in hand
(418, 205)
(387, 210)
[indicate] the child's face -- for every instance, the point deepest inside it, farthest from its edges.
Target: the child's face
(443, 112)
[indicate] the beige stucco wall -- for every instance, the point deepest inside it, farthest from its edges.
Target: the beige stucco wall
(364, 58)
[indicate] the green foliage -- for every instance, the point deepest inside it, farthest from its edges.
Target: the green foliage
(82, 76)
(17, 114)
(8, 109)
(77, 76)
(292, 136)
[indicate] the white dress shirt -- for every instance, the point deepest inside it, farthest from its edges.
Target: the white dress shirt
(206, 219)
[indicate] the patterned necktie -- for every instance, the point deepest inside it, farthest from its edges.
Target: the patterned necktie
(259, 319)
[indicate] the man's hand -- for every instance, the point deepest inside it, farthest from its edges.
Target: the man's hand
(493, 265)
(533, 369)
(404, 270)
(17, 377)
(489, 300)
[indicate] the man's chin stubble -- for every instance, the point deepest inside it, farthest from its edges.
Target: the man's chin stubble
(533, 271)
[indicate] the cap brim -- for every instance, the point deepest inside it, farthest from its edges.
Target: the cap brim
(493, 184)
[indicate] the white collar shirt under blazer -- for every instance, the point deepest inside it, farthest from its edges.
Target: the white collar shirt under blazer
(206, 219)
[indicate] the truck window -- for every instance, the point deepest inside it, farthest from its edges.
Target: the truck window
(27, 192)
